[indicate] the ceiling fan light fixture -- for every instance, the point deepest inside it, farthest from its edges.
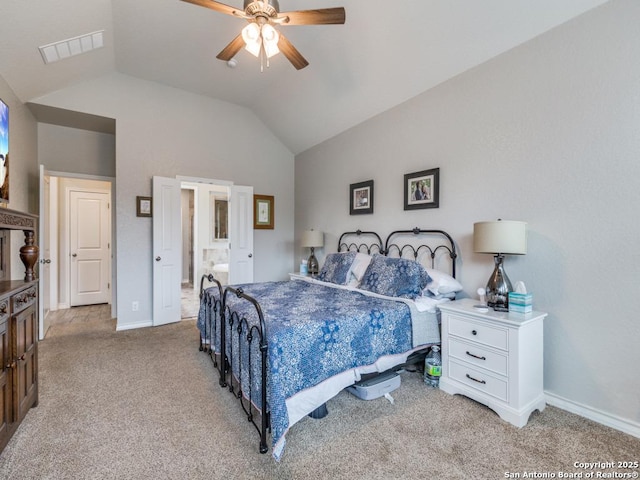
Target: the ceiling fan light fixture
(260, 38)
(270, 37)
(269, 8)
(252, 39)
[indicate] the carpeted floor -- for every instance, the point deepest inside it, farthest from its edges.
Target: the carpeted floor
(145, 404)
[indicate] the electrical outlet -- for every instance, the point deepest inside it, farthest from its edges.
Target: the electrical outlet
(135, 306)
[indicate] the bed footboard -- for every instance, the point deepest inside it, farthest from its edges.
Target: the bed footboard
(239, 364)
(225, 329)
(212, 311)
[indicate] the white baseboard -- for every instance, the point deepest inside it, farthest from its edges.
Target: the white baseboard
(62, 306)
(132, 326)
(623, 424)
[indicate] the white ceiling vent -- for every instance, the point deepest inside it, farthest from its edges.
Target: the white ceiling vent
(72, 46)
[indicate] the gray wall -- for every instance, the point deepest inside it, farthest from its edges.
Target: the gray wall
(547, 133)
(167, 132)
(65, 149)
(23, 168)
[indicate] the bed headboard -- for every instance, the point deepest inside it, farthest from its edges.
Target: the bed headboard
(432, 248)
(359, 241)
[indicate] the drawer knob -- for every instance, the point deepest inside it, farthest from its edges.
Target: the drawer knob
(476, 356)
(473, 332)
(475, 379)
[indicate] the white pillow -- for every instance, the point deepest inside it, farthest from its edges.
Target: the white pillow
(441, 283)
(359, 266)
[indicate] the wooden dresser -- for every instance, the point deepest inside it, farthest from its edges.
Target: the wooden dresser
(19, 354)
(18, 325)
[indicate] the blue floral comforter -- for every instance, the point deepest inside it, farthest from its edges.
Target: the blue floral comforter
(314, 331)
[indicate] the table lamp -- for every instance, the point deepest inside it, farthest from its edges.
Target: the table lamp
(500, 238)
(312, 239)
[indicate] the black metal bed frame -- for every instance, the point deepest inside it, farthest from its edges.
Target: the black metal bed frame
(415, 251)
(247, 333)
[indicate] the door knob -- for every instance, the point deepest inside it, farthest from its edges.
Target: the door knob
(74, 255)
(158, 259)
(47, 261)
(250, 255)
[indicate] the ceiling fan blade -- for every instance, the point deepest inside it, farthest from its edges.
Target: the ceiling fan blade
(217, 6)
(292, 54)
(230, 50)
(322, 16)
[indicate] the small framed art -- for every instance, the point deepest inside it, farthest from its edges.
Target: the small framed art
(361, 198)
(143, 206)
(422, 189)
(263, 206)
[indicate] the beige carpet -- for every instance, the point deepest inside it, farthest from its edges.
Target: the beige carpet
(145, 404)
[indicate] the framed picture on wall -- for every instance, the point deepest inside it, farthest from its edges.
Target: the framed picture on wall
(422, 189)
(361, 198)
(263, 212)
(143, 206)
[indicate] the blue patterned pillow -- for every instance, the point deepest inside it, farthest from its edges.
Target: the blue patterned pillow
(395, 277)
(336, 266)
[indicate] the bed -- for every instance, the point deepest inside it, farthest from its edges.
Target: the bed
(291, 346)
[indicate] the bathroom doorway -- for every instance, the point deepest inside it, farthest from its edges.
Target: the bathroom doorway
(205, 239)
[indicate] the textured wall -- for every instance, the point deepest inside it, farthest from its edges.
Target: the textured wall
(548, 133)
(167, 132)
(64, 149)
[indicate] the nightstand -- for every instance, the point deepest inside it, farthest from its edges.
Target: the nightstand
(495, 358)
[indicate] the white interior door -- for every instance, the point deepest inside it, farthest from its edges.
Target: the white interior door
(44, 304)
(89, 242)
(241, 235)
(167, 250)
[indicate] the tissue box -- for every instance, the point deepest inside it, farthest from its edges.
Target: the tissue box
(520, 302)
(520, 308)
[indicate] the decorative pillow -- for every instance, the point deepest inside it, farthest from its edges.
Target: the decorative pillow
(441, 284)
(336, 267)
(359, 266)
(395, 277)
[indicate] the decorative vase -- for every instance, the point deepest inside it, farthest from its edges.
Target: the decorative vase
(29, 255)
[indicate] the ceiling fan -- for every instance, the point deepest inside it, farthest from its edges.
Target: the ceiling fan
(260, 37)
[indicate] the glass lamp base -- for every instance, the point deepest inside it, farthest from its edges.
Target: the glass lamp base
(312, 264)
(498, 287)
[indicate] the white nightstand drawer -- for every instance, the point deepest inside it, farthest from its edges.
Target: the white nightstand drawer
(476, 332)
(479, 380)
(477, 355)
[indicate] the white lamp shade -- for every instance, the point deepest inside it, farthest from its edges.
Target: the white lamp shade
(312, 238)
(502, 236)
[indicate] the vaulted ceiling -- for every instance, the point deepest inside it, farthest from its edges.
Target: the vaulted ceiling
(385, 53)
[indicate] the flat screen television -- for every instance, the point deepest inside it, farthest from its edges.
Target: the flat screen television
(4, 152)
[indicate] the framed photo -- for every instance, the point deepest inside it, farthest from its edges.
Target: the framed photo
(361, 198)
(422, 189)
(143, 206)
(263, 212)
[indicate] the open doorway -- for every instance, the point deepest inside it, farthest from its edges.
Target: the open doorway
(205, 239)
(76, 241)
